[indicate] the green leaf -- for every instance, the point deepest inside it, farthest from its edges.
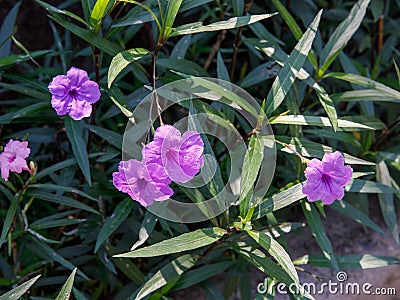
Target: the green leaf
(46, 252)
(34, 93)
(352, 123)
(181, 47)
(386, 201)
(182, 65)
(99, 11)
(318, 232)
(293, 65)
(66, 289)
(200, 274)
(122, 60)
(263, 263)
(278, 201)
(7, 30)
(147, 227)
(348, 210)
(126, 266)
(61, 165)
(276, 53)
(55, 11)
(366, 82)
(15, 59)
(112, 223)
(364, 95)
(55, 187)
(167, 274)
(294, 28)
(222, 71)
(53, 198)
(342, 34)
(17, 292)
(251, 166)
(365, 186)
(348, 262)
(9, 219)
(170, 15)
(88, 36)
(187, 241)
(74, 130)
(113, 138)
(277, 252)
(228, 24)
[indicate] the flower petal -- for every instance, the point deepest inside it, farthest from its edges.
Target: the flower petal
(80, 109)
(88, 91)
(77, 76)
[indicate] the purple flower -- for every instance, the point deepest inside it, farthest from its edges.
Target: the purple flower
(74, 94)
(181, 156)
(13, 158)
(326, 178)
(144, 183)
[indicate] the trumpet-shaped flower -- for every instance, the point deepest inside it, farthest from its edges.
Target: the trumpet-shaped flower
(144, 183)
(13, 158)
(326, 179)
(74, 94)
(180, 156)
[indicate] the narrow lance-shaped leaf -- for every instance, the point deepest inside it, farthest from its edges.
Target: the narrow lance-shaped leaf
(348, 210)
(251, 166)
(276, 251)
(275, 52)
(122, 60)
(74, 131)
(294, 28)
(166, 274)
(65, 292)
(318, 232)
(351, 123)
(99, 11)
(348, 262)
(366, 82)
(386, 201)
(17, 292)
(9, 219)
(228, 24)
(147, 227)
(293, 65)
(187, 241)
(342, 35)
(7, 29)
(170, 15)
(278, 201)
(119, 215)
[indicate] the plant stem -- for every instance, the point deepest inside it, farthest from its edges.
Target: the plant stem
(236, 44)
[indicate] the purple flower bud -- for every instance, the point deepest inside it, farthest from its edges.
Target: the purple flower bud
(74, 94)
(326, 179)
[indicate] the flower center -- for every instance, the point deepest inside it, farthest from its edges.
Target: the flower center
(325, 178)
(11, 158)
(72, 92)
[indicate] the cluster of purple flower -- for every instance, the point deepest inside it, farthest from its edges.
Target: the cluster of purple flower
(169, 157)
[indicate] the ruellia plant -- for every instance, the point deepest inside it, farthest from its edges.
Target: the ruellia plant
(157, 144)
